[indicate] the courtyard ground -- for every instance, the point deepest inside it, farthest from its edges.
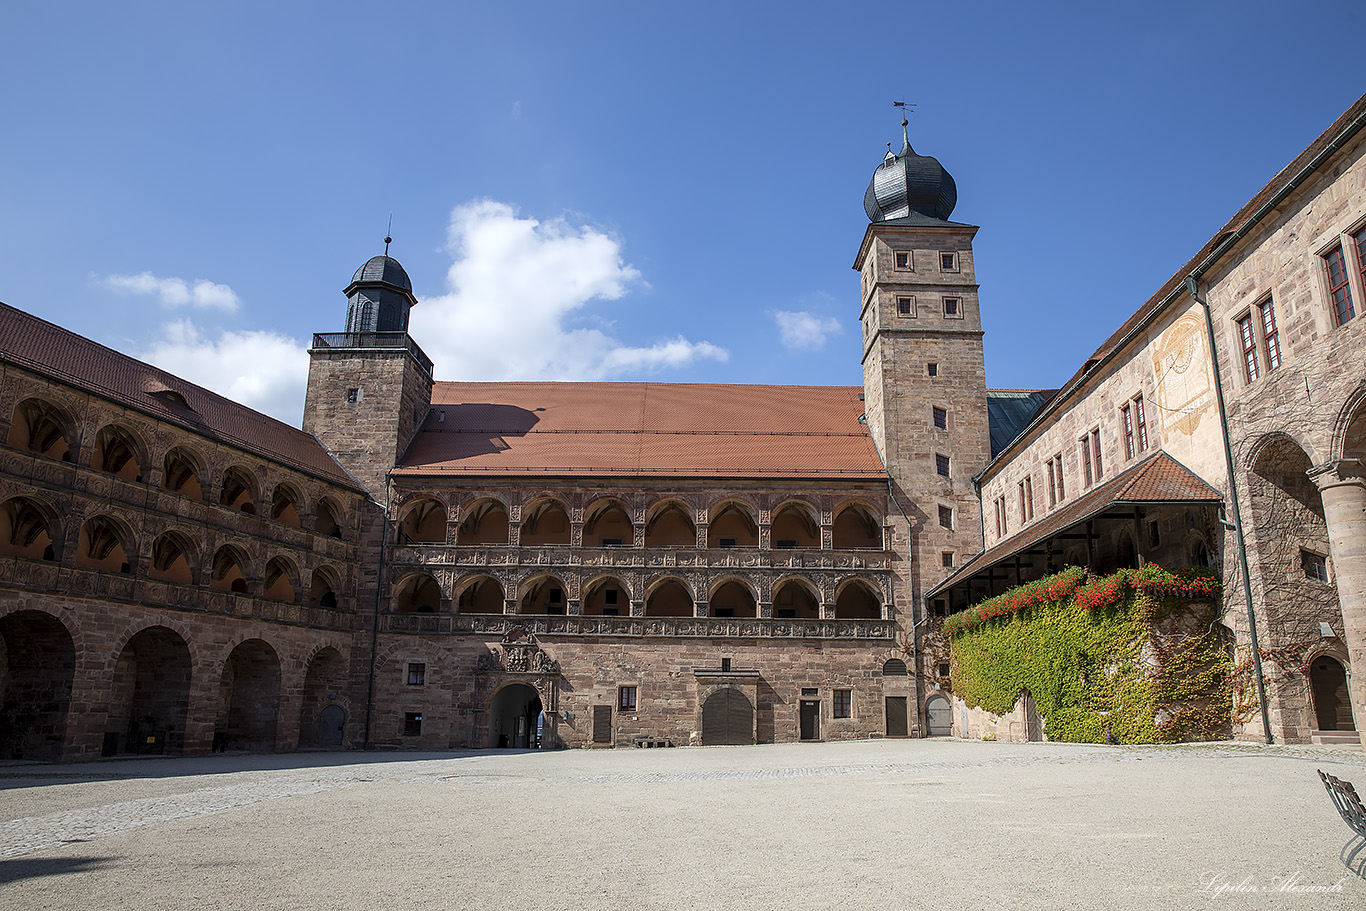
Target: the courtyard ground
(884, 824)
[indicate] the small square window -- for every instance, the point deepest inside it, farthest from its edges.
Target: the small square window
(905, 306)
(941, 418)
(932, 368)
(943, 669)
(844, 703)
(412, 724)
(902, 259)
(353, 395)
(946, 516)
(626, 698)
(941, 464)
(948, 262)
(1315, 565)
(947, 557)
(951, 308)
(417, 674)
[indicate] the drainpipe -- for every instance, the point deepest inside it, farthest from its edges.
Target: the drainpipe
(1193, 286)
(374, 620)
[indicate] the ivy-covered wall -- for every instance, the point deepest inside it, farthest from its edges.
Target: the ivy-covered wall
(1133, 657)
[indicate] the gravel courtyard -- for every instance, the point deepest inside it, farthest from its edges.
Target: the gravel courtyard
(884, 824)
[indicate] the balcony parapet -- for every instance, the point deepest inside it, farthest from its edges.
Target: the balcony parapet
(439, 555)
(642, 627)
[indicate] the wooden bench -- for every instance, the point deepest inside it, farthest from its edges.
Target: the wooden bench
(1348, 804)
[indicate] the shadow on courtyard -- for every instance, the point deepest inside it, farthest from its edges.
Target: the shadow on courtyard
(15, 869)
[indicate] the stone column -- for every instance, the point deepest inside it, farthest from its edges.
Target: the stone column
(1342, 484)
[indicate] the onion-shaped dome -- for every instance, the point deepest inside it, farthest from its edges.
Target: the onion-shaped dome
(906, 183)
(383, 269)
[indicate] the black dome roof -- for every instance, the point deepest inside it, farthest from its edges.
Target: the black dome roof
(907, 183)
(383, 269)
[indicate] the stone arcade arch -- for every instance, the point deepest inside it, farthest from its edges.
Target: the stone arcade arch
(727, 718)
(38, 658)
(28, 528)
(173, 558)
(484, 522)
(542, 595)
(669, 597)
(249, 698)
(482, 595)
(119, 452)
(606, 596)
(42, 427)
(104, 544)
(150, 695)
(183, 473)
(795, 599)
(322, 718)
(423, 522)
(795, 525)
(731, 598)
(856, 528)
(284, 505)
(732, 524)
(515, 719)
(238, 490)
(282, 577)
(608, 524)
(322, 592)
(229, 572)
(857, 601)
(545, 521)
(670, 525)
(327, 518)
(417, 593)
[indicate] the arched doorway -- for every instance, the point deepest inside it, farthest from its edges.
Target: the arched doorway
(151, 694)
(938, 717)
(321, 721)
(249, 699)
(727, 718)
(515, 719)
(331, 723)
(1332, 707)
(39, 663)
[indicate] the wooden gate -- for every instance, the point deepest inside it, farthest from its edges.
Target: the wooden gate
(938, 717)
(727, 718)
(897, 725)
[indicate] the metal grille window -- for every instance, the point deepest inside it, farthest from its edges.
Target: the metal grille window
(941, 418)
(932, 368)
(1248, 342)
(945, 517)
(1338, 288)
(941, 464)
(844, 703)
(947, 557)
(626, 698)
(417, 674)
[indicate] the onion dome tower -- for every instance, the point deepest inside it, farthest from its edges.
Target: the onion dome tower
(379, 296)
(907, 183)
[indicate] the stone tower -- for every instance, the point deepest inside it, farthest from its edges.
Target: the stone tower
(370, 386)
(924, 378)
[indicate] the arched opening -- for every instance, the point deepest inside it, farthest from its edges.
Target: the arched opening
(103, 545)
(322, 722)
(485, 522)
(327, 518)
(116, 451)
(794, 526)
(249, 698)
(669, 599)
(1126, 556)
(284, 505)
(894, 667)
(515, 718)
(855, 528)
(1332, 706)
(1288, 520)
(607, 597)
(229, 572)
(423, 522)
(418, 593)
(172, 556)
(41, 427)
(938, 717)
(731, 599)
(151, 694)
(608, 525)
(733, 525)
(542, 596)
(545, 522)
(280, 576)
(238, 491)
(322, 592)
(25, 530)
(39, 662)
(671, 526)
(856, 601)
(793, 600)
(1197, 551)
(182, 473)
(482, 595)
(727, 718)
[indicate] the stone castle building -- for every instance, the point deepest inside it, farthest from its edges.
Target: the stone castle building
(446, 565)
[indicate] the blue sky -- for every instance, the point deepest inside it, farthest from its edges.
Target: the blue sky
(625, 190)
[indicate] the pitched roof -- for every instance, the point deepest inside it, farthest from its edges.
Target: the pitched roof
(1157, 479)
(644, 429)
(49, 350)
(1009, 411)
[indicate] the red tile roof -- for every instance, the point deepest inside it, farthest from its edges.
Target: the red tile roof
(1157, 479)
(644, 429)
(50, 350)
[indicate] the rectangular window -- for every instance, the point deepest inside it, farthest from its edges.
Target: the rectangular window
(947, 558)
(1052, 485)
(1142, 424)
(946, 517)
(903, 259)
(1095, 453)
(941, 418)
(941, 607)
(1359, 239)
(1002, 523)
(1027, 500)
(1247, 340)
(844, 703)
(412, 724)
(905, 306)
(941, 464)
(943, 669)
(932, 368)
(1271, 336)
(948, 262)
(1086, 472)
(951, 308)
(626, 698)
(1128, 430)
(1062, 489)
(353, 395)
(1315, 565)
(1338, 287)
(417, 674)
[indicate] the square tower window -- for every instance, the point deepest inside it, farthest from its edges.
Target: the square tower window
(353, 395)
(953, 308)
(947, 558)
(932, 369)
(941, 464)
(412, 724)
(946, 517)
(948, 262)
(905, 306)
(1315, 566)
(417, 674)
(902, 259)
(941, 418)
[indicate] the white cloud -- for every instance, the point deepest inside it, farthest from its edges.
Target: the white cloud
(261, 370)
(176, 292)
(801, 330)
(513, 290)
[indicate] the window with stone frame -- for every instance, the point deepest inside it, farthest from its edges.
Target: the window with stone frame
(1271, 334)
(1247, 343)
(1026, 500)
(941, 417)
(1140, 423)
(905, 306)
(948, 262)
(1087, 473)
(953, 307)
(626, 698)
(932, 368)
(1002, 525)
(1315, 566)
(1095, 453)
(1359, 241)
(844, 703)
(1339, 287)
(417, 674)
(412, 724)
(945, 516)
(947, 559)
(1127, 418)
(941, 464)
(902, 260)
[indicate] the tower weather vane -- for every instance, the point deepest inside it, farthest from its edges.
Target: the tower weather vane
(388, 235)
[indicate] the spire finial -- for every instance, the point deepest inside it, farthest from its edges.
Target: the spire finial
(906, 108)
(387, 239)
